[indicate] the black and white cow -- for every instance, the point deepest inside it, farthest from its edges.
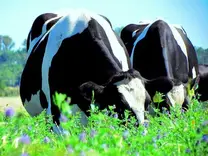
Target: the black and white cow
(202, 89)
(76, 53)
(161, 50)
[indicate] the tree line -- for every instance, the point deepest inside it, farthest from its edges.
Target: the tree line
(12, 61)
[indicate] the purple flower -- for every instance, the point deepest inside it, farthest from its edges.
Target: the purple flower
(93, 133)
(70, 149)
(82, 136)
(146, 124)
(25, 139)
(63, 118)
(125, 134)
(159, 136)
(205, 123)
(46, 140)
(115, 115)
(9, 112)
(167, 113)
(205, 138)
(24, 154)
(188, 150)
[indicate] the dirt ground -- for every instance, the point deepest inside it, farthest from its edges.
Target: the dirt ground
(14, 102)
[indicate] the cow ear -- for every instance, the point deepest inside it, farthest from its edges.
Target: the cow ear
(161, 84)
(90, 90)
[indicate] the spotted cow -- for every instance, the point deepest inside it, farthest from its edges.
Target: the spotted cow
(77, 53)
(158, 49)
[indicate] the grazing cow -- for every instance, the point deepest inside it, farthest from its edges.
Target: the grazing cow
(76, 53)
(202, 89)
(161, 50)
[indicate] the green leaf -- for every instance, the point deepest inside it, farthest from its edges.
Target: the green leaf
(158, 97)
(59, 98)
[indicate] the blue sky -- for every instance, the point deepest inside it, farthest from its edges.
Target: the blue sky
(17, 15)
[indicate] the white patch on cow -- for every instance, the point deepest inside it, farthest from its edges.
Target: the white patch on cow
(179, 27)
(134, 32)
(35, 40)
(71, 24)
(117, 49)
(134, 94)
(165, 56)
(193, 72)
(176, 95)
(33, 106)
(179, 40)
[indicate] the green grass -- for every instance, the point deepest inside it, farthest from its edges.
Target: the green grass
(173, 133)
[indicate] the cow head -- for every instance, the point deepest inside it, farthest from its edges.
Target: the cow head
(174, 90)
(125, 90)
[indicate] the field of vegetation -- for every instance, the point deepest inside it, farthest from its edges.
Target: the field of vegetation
(173, 132)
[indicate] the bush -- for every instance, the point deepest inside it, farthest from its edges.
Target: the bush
(9, 91)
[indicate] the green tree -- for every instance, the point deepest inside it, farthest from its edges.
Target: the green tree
(202, 55)
(7, 43)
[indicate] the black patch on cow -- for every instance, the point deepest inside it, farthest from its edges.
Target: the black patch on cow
(43, 99)
(202, 89)
(38, 24)
(160, 84)
(31, 79)
(51, 23)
